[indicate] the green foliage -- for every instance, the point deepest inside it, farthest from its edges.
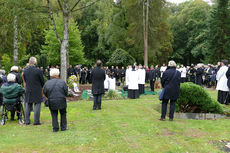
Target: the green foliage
(112, 94)
(195, 99)
(219, 31)
(189, 27)
(120, 58)
(6, 62)
(52, 48)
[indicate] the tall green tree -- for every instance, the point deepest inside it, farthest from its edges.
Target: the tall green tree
(189, 27)
(219, 31)
(52, 47)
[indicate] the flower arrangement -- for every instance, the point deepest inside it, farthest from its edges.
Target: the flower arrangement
(73, 79)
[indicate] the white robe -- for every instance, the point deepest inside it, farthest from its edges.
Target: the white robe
(183, 72)
(126, 77)
(112, 84)
(141, 76)
(133, 80)
(106, 82)
(222, 80)
(162, 69)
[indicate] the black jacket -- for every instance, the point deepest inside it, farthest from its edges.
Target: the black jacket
(172, 87)
(34, 82)
(56, 91)
(228, 76)
(98, 77)
(152, 75)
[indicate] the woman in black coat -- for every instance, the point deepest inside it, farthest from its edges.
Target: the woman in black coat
(56, 91)
(171, 83)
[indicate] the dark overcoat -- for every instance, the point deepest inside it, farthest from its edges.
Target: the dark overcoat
(56, 91)
(228, 76)
(98, 77)
(34, 80)
(172, 87)
(152, 75)
(199, 73)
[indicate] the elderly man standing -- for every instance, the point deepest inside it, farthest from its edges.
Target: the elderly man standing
(222, 81)
(98, 77)
(34, 82)
(56, 91)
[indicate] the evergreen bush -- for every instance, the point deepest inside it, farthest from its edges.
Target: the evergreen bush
(112, 94)
(195, 99)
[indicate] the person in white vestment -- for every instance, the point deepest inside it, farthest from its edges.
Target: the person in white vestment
(141, 79)
(106, 82)
(162, 69)
(112, 82)
(222, 81)
(183, 73)
(133, 90)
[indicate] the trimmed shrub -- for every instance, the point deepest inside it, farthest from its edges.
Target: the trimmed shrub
(112, 94)
(194, 99)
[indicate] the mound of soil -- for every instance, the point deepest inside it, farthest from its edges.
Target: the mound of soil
(81, 88)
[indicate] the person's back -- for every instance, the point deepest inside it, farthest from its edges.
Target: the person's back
(11, 92)
(34, 81)
(98, 77)
(56, 91)
(112, 83)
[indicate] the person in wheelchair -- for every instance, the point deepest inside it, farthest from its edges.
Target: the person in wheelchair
(12, 92)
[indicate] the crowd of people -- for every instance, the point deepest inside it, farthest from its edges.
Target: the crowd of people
(133, 78)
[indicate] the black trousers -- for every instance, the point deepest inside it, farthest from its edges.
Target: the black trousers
(183, 80)
(63, 124)
(164, 108)
(97, 101)
(152, 85)
(222, 97)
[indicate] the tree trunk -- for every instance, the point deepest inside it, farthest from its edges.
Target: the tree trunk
(65, 42)
(15, 59)
(146, 34)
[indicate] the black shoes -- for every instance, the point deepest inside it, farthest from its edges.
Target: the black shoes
(55, 130)
(38, 123)
(162, 119)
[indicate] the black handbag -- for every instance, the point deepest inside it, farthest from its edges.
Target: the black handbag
(47, 100)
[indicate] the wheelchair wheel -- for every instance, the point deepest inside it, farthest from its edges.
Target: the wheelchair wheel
(3, 116)
(22, 115)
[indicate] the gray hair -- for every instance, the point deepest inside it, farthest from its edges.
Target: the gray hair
(54, 72)
(14, 68)
(11, 77)
(172, 63)
(3, 72)
(33, 60)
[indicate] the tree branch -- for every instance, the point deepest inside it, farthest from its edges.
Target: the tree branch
(59, 3)
(53, 21)
(75, 5)
(86, 6)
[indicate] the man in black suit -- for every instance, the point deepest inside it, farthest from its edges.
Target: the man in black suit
(98, 77)
(34, 82)
(152, 78)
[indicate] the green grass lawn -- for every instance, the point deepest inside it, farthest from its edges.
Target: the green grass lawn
(121, 126)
